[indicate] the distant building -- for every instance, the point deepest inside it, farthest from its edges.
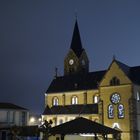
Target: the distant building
(11, 115)
(110, 97)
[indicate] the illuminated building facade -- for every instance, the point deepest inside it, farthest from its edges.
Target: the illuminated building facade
(110, 97)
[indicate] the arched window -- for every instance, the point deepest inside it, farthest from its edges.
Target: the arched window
(120, 111)
(74, 100)
(95, 99)
(55, 101)
(114, 81)
(110, 111)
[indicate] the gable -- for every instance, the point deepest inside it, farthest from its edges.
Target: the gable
(118, 70)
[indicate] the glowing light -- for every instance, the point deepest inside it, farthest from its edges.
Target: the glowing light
(116, 125)
(87, 135)
(39, 119)
(32, 120)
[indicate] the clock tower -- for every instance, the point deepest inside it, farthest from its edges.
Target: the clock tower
(76, 61)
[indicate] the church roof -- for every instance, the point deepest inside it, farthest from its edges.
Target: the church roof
(124, 67)
(72, 109)
(133, 73)
(76, 44)
(76, 82)
(90, 80)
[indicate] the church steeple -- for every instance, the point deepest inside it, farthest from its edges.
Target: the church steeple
(76, 44)
(76, 61)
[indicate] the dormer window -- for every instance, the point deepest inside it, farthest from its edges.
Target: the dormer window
(114, 81)
(74, 100)
(55, 101)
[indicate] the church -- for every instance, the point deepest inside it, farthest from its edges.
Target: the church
(110, 97)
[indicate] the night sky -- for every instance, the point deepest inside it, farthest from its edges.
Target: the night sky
(35, 37)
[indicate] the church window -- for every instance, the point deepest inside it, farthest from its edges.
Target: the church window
(111, 111)
(74, 100)
(96, 99)
(138, 96)
(115, 98)
(120, 111)
(114, 81)
(55, 101)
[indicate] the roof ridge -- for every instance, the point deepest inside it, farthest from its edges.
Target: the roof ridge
(134, 66)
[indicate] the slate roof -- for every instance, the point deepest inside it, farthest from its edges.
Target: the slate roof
(124, 67)
(135, 74)
(72, 109)
(76, 44)
(76, 82)
(82, 126)
(90, 80)
(11, 106)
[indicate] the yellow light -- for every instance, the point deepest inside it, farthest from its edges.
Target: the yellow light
(39, 119)
(87, 135)
(32, 120)
(116, 125)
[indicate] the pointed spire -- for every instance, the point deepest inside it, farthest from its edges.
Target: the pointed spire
(76, 44)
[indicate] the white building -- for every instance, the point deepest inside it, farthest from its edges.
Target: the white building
(11, 115)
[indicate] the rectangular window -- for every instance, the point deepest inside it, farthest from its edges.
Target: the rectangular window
(138, 96)
(23, 118)
(3, 116)
(11, 116)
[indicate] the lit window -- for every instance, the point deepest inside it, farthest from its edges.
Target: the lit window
(120, 111)
(111, 111)
(96, 99)
(138, 96)
(55, 101)
(74, 100)
(114, 81)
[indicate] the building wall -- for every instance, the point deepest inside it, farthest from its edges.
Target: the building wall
(125, 93)
(11, 117)
(69, 95)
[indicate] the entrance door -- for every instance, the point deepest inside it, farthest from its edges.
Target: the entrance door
(3, 135)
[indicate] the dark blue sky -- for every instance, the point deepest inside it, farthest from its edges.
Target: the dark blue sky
(35, 37)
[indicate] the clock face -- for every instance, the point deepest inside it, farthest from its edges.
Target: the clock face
(71, 61)
(115, 98)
